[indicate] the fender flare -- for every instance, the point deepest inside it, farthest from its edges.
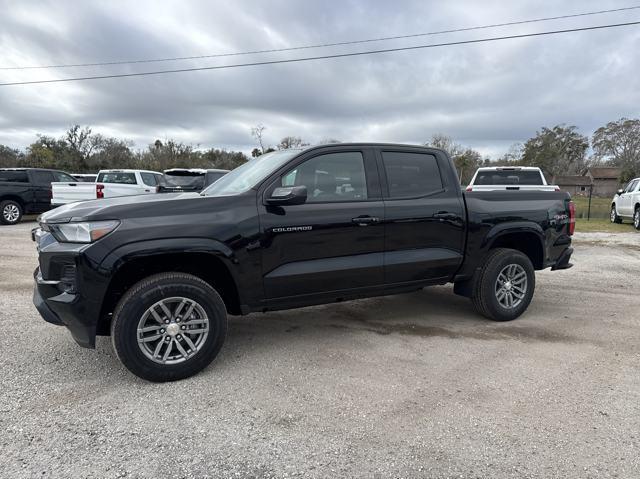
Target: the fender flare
(503, 229)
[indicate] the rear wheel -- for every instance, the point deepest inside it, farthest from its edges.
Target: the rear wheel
(636, 218)
(505, 285)
(169, 326)
(10, 212)
(614, 215)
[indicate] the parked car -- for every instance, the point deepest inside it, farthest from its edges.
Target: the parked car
(85, 177)
(179, 180)
(292, 228)
(109, 184)
(26, 191)
(510, 178)
(626, 204)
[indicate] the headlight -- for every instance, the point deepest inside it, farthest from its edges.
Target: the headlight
(82, 232)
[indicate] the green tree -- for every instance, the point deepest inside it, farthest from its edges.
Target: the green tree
(618, 144)
(560, 150)
(466, 160)
(289, 142)
(10, 157)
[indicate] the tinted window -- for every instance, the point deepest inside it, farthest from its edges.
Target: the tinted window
(330, 178)
(63, 177)
(508, 177)
(411, 174)
(14, 176)
(120, 178)
(42, 177)
(149, 179)
(631, 186)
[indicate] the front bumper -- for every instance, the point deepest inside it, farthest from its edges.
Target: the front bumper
(65, 309)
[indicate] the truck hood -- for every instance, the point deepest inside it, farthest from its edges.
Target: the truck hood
(119, 208)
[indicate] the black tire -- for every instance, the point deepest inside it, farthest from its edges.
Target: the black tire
(484, 295)
(636, 218)
(613, 217)
(136, 302)
(10, 212)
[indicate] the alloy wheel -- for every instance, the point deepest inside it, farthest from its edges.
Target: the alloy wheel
(511, 286)
(11, 213)
(173, 330)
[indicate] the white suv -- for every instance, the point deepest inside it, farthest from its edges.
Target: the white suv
(626, 204)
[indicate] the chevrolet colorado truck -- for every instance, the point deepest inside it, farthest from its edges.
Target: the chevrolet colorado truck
(292, 228)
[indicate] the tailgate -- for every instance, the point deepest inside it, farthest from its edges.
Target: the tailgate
(63, 193)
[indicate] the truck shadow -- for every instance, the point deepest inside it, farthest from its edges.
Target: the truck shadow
(433, 312)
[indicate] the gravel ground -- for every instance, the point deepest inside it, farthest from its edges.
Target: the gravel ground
(414, 385)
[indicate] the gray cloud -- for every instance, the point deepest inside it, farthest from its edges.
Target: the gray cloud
(486, 96)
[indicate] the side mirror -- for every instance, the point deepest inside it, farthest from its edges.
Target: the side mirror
(620, 191)
(288, 195)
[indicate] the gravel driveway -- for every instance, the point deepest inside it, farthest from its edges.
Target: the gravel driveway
(415, 385)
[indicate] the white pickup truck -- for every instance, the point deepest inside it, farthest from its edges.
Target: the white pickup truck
(510, 178)
(109, 184)
(626, 204)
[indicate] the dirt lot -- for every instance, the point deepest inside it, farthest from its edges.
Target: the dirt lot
(408, 386)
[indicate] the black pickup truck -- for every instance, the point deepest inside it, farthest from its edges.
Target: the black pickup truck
(293, 228)
(26, 191)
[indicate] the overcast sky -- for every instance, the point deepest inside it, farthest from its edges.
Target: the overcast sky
(486, 96)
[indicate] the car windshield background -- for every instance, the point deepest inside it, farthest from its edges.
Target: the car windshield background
(508, 177)
(250, 174)
(14, 176)
(411, 174)
(118, 178)
(333, 177)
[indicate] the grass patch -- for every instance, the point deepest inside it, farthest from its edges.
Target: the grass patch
(600, 207)
(602, 225)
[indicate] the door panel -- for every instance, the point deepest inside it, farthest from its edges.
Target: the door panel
(42, 190)
(424, 217)
(325, 244)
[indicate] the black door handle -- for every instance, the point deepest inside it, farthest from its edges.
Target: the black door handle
(365, 220)
(445, 216)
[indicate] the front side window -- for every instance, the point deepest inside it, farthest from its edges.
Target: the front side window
(411, 174)
(149, 179)
(121, 178)
(631, 186)
(334, 177)
(63, 177)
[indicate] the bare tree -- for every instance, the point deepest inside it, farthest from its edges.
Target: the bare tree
(257, 132)
(291, 142)
(618, 142)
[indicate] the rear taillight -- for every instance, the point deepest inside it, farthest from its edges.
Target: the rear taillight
(469, 188)
(572, 218)
(99, 191)
(158, 189)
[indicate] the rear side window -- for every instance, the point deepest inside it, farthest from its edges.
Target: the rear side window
(118, 178)
(42, 177)
(508, 177)
(411, 174)
(14, 176)
(149, 179)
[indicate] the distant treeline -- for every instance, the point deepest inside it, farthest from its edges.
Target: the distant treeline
(558, 150)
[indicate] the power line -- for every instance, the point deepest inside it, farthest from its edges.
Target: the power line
(324, 57)
(325, 45)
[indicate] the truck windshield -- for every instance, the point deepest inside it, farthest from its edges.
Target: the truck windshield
(246, 176)
(508, 177)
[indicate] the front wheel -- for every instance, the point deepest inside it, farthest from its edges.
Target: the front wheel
(636, 218)
(504, 286)
(614, 215)
(169, 326)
